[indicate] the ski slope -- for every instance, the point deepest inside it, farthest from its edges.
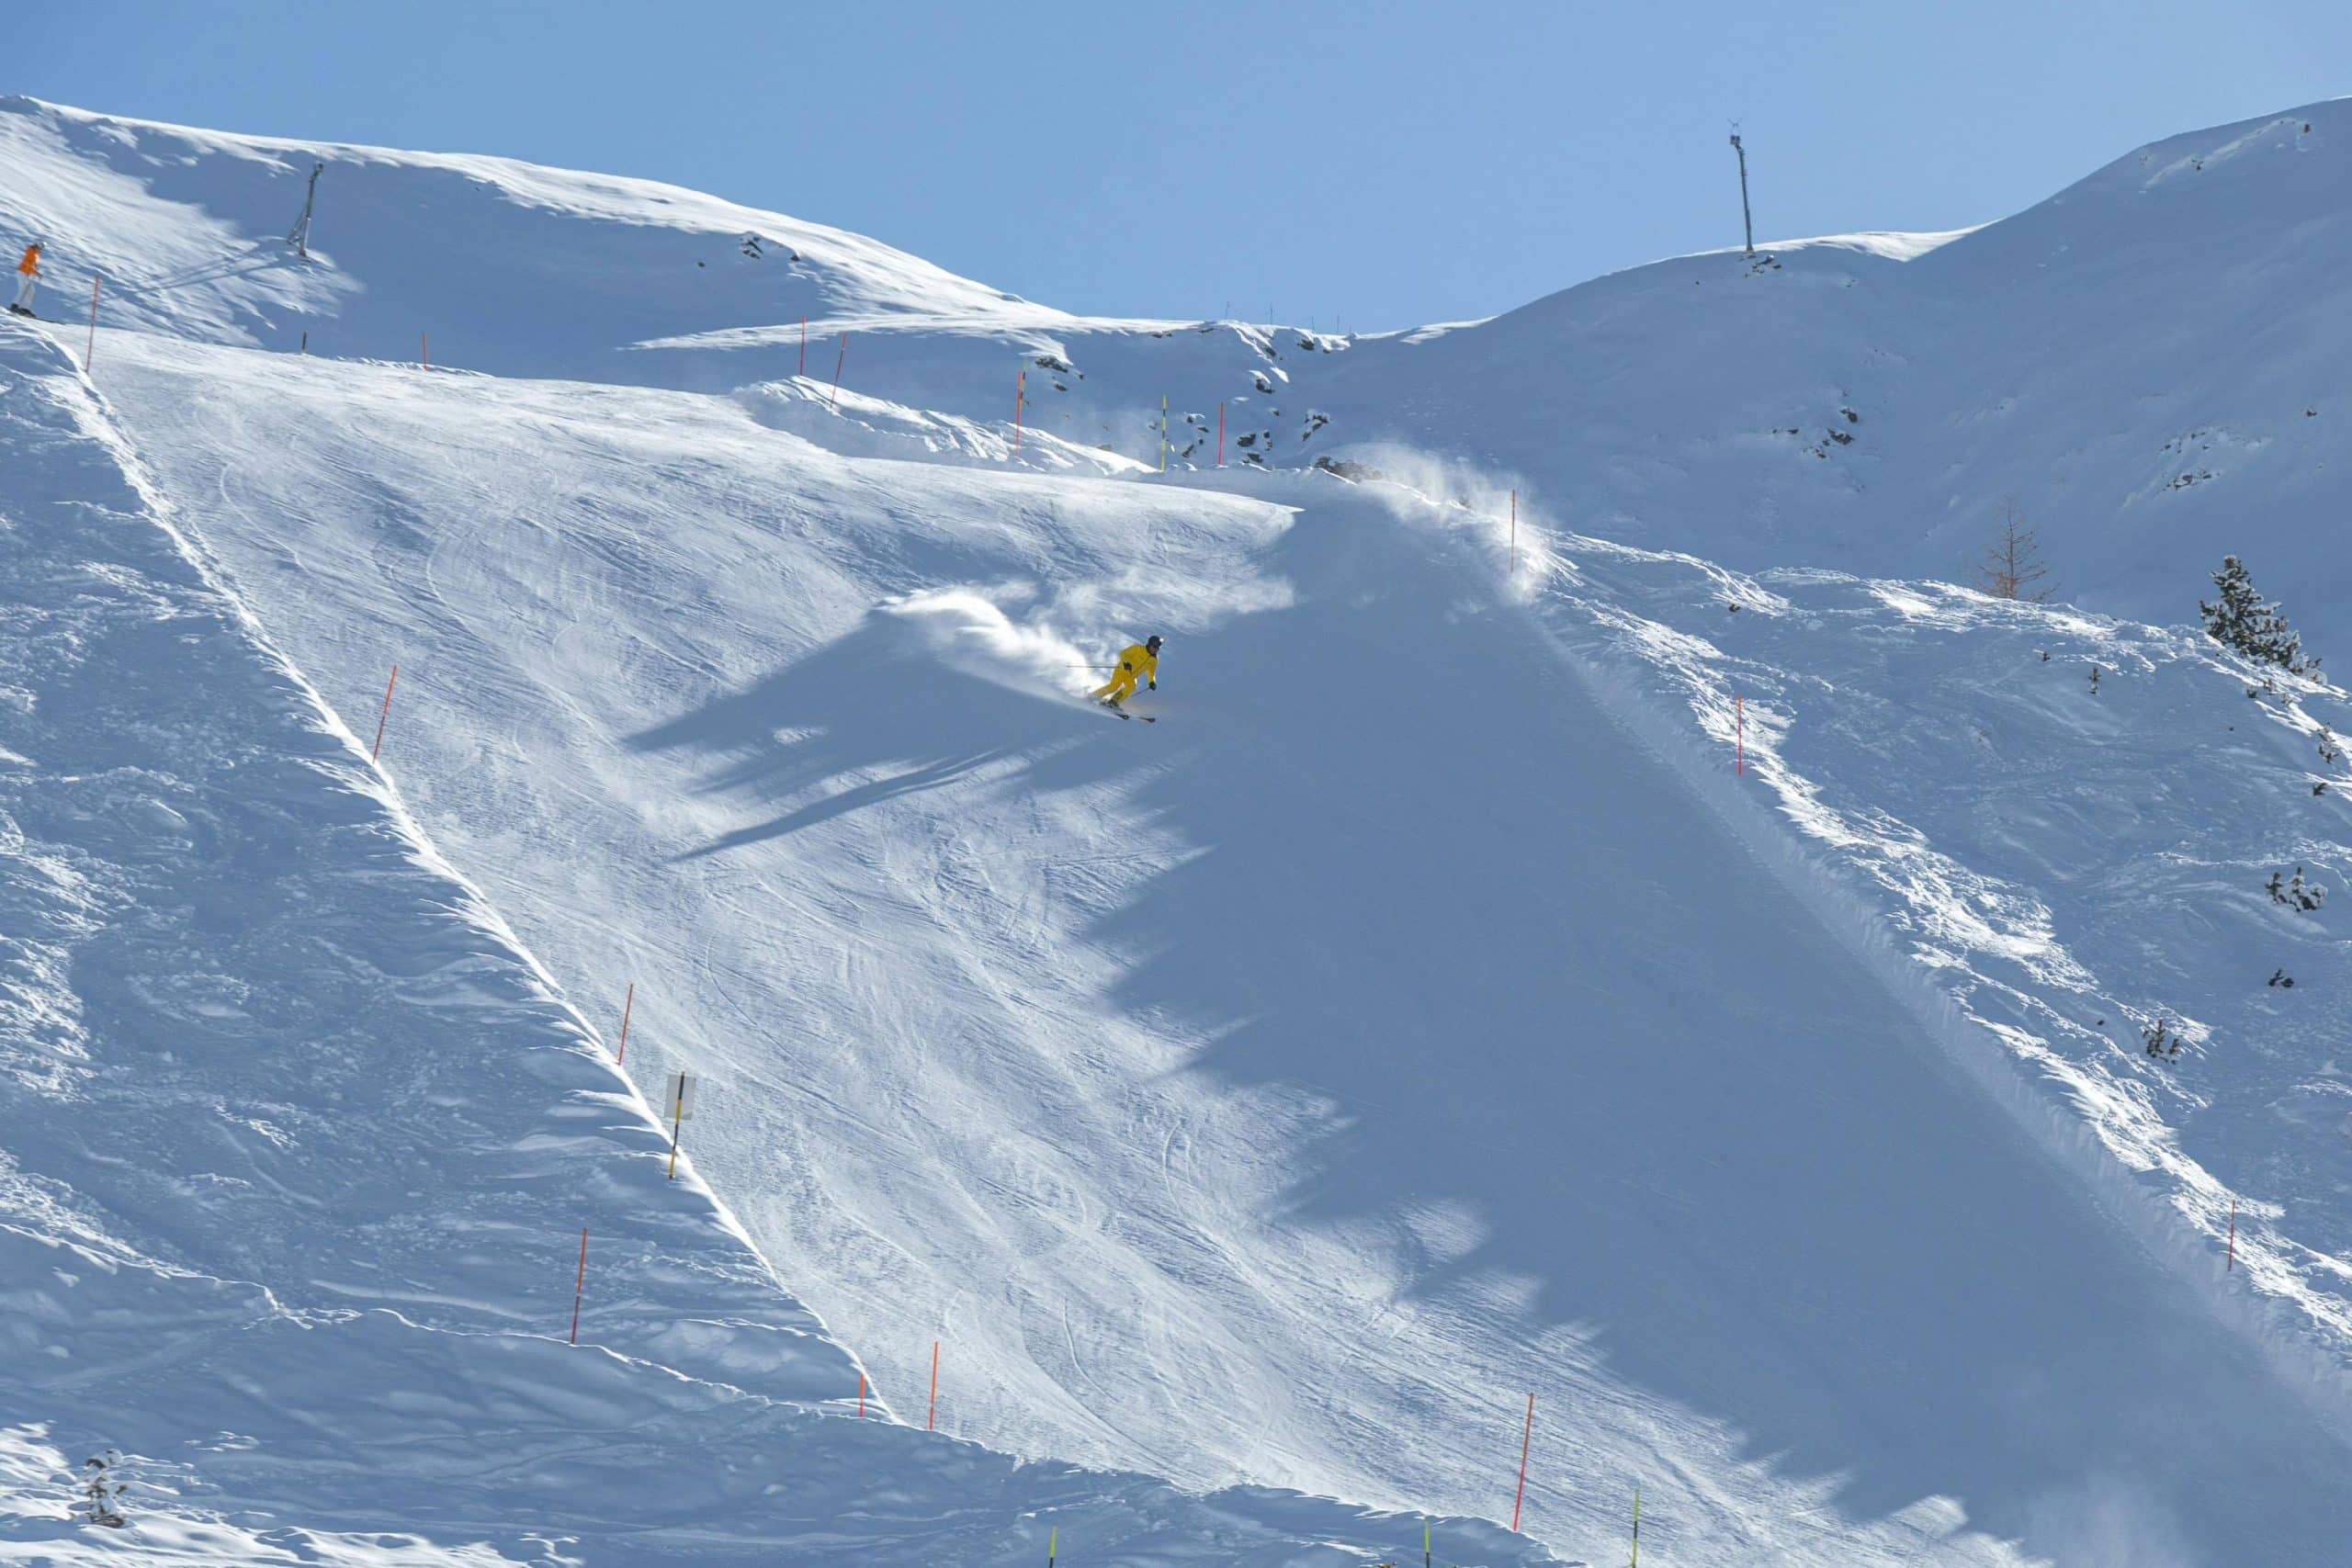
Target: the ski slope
(1423, 1012)
(299, 1139)
(1232, 1102)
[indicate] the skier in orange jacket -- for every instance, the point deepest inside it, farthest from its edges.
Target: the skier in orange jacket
(1138, 660)
(28, 274)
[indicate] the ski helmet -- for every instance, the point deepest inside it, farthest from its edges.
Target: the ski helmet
(1152, 642)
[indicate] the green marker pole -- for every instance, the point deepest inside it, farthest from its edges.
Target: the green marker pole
(1637, 1525)
(1425, 1543)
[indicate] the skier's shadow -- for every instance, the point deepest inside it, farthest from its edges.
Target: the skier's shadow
(881, 708)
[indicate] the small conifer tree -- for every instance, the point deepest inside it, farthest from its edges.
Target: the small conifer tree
(2242, 620)
(100, 1489)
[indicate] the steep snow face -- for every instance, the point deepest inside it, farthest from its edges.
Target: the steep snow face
(2151, 364)
(1277, 1092)
(2073, 825)
(300, 1146)
(1418, 1014)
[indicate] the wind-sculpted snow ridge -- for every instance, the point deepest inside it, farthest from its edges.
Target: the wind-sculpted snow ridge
(2070, 823)
(299, 1144)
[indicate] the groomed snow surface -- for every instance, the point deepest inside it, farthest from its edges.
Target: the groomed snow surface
(1423, 1012)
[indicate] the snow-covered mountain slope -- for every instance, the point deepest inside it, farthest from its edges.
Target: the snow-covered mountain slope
(1421, 1014)
(489, 264)
(2071, 823)
(299, 1145)
(1271, 1093)
(2151, 363)
(2148, 362)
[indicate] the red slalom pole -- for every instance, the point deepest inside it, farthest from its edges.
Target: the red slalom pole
(579, 1284)
(930, 1422)
(91, 347)
(2233, 1261)
(1526, 1437)
(376, 754)
(622, 1055)
(838, 363)
(861, 1397)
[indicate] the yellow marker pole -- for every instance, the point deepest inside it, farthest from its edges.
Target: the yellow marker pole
(1052, 1542)
(677, 1122)
(1637, 1525)
(1425, 1543)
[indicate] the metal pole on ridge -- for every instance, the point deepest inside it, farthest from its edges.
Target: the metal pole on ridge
(1747, 223)
(299, 238)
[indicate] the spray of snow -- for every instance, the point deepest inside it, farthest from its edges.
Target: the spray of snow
(964, 624)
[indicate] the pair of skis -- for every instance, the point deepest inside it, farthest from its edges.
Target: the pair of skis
(1113, 708)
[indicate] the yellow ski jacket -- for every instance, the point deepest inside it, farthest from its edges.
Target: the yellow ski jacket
(1140, 659)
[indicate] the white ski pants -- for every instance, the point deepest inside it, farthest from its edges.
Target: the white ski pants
(25, 282)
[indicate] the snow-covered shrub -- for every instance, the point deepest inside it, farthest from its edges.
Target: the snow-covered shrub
(101, 1490)
(2297, 893)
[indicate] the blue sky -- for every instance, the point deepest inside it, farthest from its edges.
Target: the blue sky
(1376, 165)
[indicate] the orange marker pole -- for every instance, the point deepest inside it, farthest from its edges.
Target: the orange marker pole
(1526, 1437)
(90, 347)
(677, 1125)
(425, 350)
(622, 1055)
(579, 1283)
(930, 1422)
(377, 752)
(861, 1397)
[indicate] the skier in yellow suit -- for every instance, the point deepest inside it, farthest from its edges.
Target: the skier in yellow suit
(1137, 662)
(28, 274)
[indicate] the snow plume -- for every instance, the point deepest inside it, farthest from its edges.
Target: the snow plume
(965, 624)
(1478, 498)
